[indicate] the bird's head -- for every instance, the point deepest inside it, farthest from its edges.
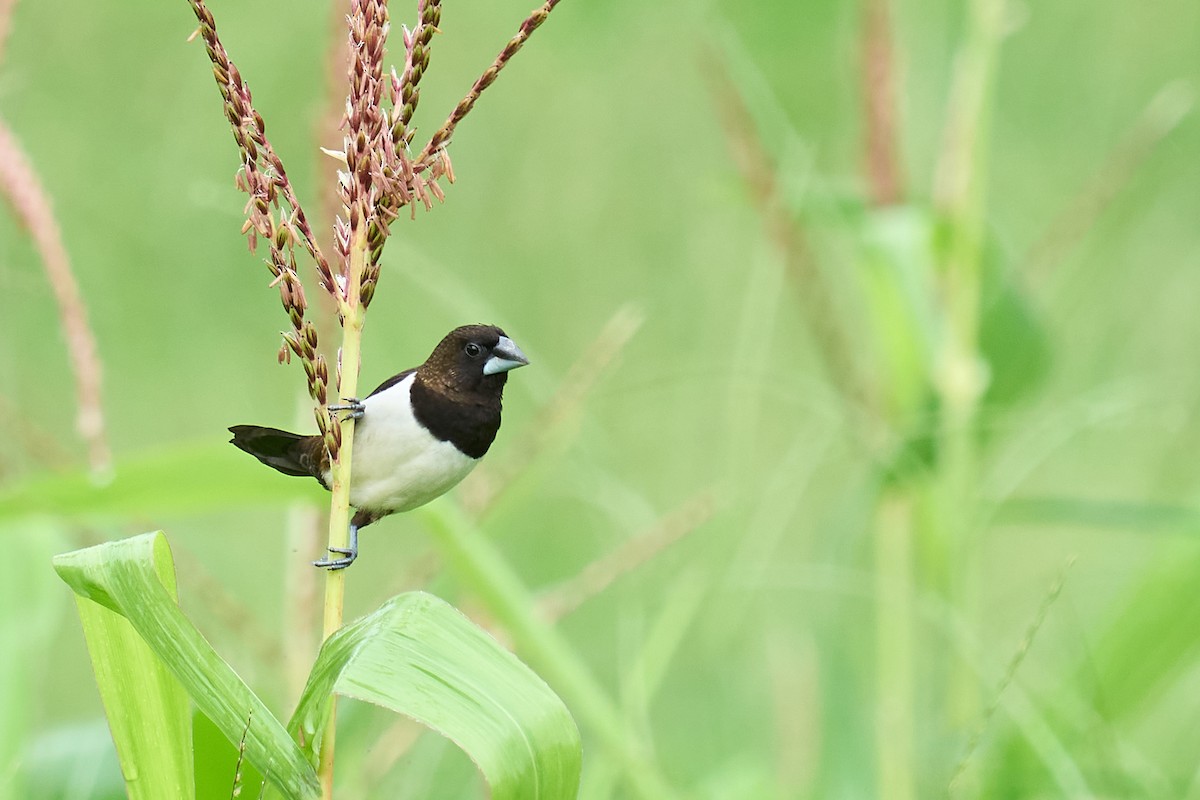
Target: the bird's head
(471, 359)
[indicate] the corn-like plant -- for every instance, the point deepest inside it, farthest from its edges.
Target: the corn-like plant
(415, 655)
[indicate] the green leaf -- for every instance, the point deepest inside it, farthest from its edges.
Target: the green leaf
(1012, 334)
(420, 657)
(180, 479)
(1151, 641)
(481, 566)
(140, 695)
(133, 580)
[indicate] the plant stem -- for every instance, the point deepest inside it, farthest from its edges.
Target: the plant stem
(339, 512)
(895, 724)
(960, 191)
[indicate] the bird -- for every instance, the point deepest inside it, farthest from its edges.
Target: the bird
(415, 436)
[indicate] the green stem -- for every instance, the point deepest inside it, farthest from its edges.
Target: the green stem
(895, 724)
(961, 378)
(482, 567)
(339, 512)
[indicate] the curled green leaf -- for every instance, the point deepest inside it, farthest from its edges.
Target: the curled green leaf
(134, 579)
(420, 657)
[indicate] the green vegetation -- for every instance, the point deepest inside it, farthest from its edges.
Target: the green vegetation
(857, 456)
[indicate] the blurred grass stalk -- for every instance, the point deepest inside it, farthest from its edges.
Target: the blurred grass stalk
(1162, 115)
(893, 523)
(23, 190)
(481, 567)
(895, 721)
(956, 374)
(960, 373)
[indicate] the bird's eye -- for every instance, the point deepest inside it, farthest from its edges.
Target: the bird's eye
(473, 350)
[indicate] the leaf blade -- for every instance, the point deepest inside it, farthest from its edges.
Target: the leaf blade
(139, 695)
(418, 656)
(134, 578)
(179, 479)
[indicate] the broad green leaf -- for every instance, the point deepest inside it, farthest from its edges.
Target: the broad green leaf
(420, 657)
(181, 479)
(141, 696)
(133, 579)
(481, 566)
(1012, 335)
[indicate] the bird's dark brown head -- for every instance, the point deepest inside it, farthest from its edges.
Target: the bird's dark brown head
(472, 360)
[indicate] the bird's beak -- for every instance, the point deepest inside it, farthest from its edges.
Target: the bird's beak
(505, 356)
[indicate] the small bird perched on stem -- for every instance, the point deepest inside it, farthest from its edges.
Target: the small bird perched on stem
(415, 437)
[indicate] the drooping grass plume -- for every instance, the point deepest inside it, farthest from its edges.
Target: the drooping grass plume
(6, 14)
(1162, 115)
(435, 150)
(408, 92)
(885, 181)
(378, 180)
(765, 184)
(249, 131)
(273, 213)
(22, 189)
(597, 576)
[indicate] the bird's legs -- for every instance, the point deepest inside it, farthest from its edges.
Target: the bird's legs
(349, 553)
(356, 409)
(353, 405)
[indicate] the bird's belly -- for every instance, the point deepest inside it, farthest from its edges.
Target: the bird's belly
(400, 467)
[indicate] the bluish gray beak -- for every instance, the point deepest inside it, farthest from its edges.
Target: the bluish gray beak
(505, 356)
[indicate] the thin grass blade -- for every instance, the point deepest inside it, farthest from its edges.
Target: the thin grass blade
(181, 479)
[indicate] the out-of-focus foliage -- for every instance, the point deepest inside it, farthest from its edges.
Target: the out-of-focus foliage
(595, 174)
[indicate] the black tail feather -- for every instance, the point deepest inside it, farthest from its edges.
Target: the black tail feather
(289, 453)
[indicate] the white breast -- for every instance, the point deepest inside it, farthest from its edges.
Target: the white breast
(397, 464)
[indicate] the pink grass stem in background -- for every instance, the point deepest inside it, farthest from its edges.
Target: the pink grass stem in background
(6, 14)
(879, 77)
(23, 190)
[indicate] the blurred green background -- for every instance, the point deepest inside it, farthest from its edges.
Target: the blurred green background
(847, 586)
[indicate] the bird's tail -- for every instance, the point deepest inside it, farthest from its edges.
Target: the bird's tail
(290, 453)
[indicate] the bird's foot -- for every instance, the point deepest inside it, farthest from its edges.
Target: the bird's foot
(352, 405)
(338, 563)
(349, 553)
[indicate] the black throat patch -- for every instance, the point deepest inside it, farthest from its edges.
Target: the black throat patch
(468, 420)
